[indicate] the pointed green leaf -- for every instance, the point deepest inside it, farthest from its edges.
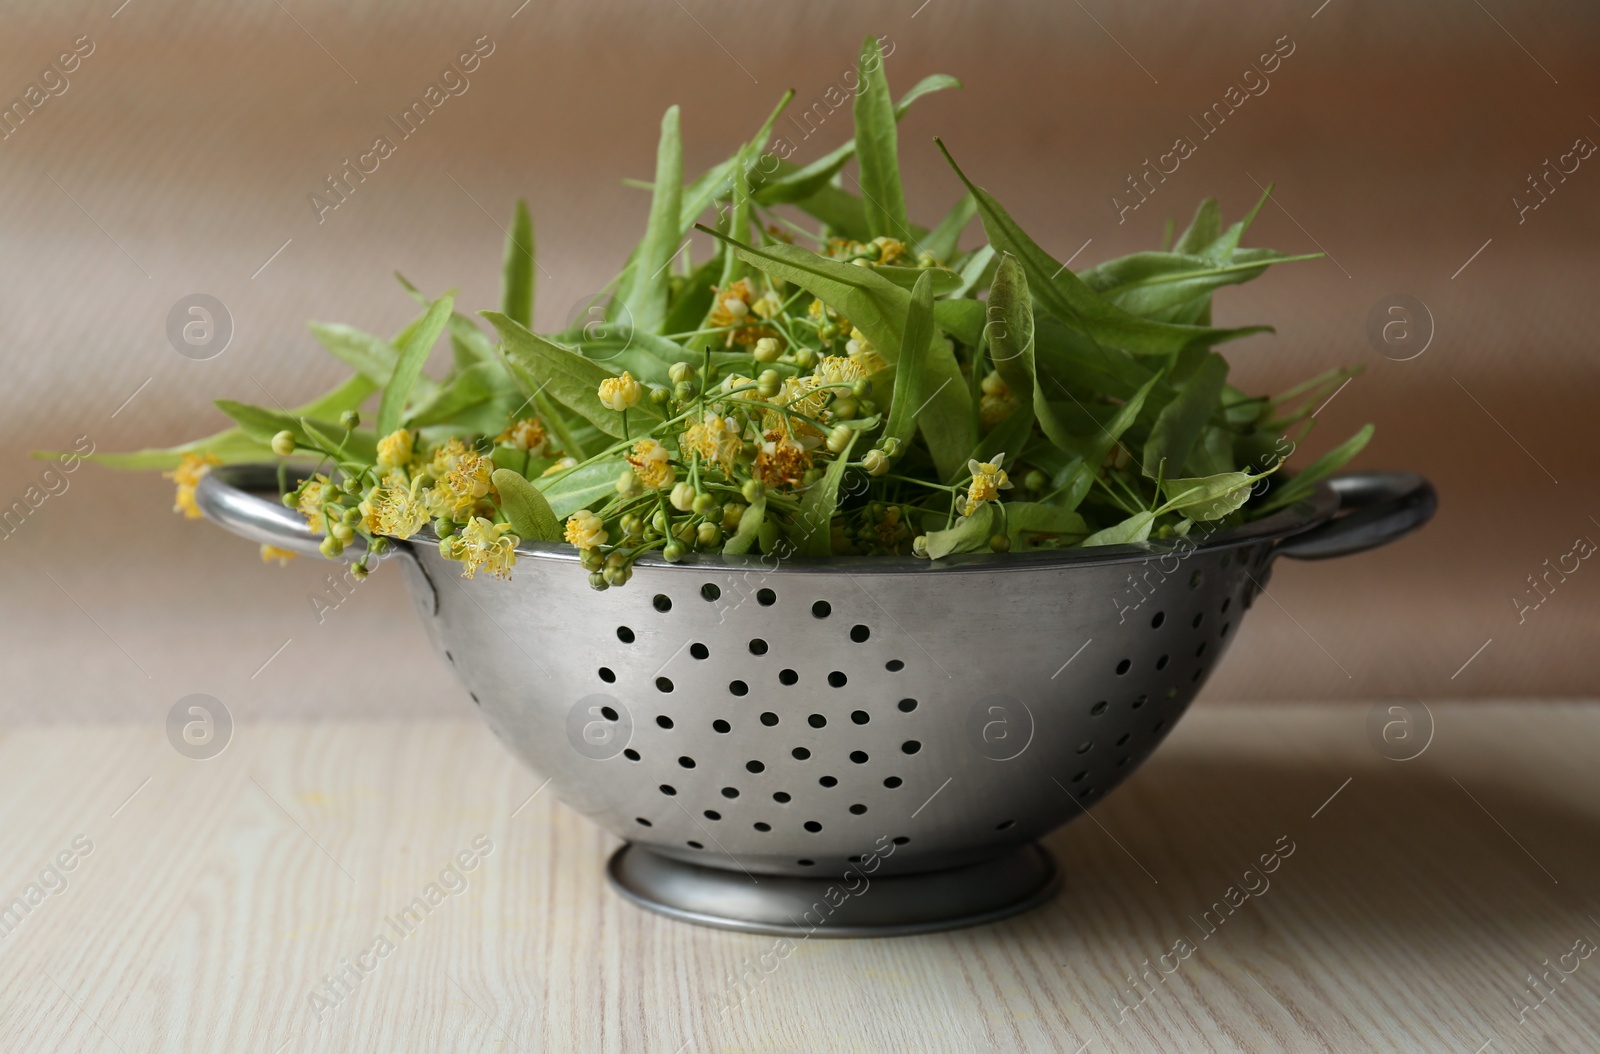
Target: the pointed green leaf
(1135, 528)
(943, 241)
(409, 365)
(646, 296)
(567, 377)
(1180, 422)
(818, 504)
(969, 534)
(1064, 295)
(755, 514)
(526, 508)
(1209, 497)
(911, 365)
(877, 147)
(517, 275)
(1302, 483)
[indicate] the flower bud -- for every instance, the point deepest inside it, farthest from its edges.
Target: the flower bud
(617, 576)
(659, 395)
(862, 388)
(844, 407)
(673, 552)
(732, 513)
(351, 517)
(591, 559)
(770, 383)
(703, 504)
(597, 582)
(681, 371)
(682, 497)
(766, 350)
(349, 419)
(628, 483)
(331, 547)
(443, 527)
(891, 447)
(839, 438)
(919, 546)
(283, 443)
(753, 489)
(875, 462)
(1000, 543)
(343, 532)
(1035, 480)
(683, 391)
(683, 530)
(708, 534)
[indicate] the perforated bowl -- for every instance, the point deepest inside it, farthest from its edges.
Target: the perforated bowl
(850, 745)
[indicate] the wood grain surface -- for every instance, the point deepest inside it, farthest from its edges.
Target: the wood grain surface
(1423, 905)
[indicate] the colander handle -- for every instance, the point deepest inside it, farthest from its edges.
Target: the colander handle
(229, 495)
(1375, 508)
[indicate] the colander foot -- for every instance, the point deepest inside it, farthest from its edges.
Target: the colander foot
(851, 905)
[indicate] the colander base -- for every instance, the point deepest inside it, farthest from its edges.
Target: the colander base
(852, 905)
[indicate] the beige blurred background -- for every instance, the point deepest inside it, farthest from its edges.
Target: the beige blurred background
(181, 156)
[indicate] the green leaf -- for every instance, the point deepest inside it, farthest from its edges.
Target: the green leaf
(1180, 422)
(877, 147)
(1064, 295)
(1302, 483)
(943, 241)
(1095, 450)
(734, 268)
(579, 487)
(261, 424)
(944, 280)
(367, 354)
(646, 297)
(755, 514)
(1147, 283)
(911, 362)
(978, 270)
(409, 366)
(517, 276)
(969, 534)
(795, 183)
(1032, 517)
(526, 508)
(842, 211)
(1209, 497)
(818, 504)
(1135, 528)
(962, 319)
(1203, 229)
(566, 376)
(1010, 332)
(466, 391)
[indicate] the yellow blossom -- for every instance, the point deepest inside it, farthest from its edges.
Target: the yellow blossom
(586, 530)
(484, 546)
(781, 461)
(315, 493)
(527, 435)
(889, 249)
(619, 393)
(863, 354)
(767, 304)
(730, 309)
(560, 466)
(988, 480)
(836, 369)
(652, 464)
(460, 489)
(714, 439)
(393, 508)
(396, 450)
(270, 553)
(445, 458)
(187, 477)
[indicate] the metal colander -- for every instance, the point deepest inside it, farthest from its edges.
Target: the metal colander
(759, 733)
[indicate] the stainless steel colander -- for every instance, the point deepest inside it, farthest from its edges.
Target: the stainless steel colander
(856, 745)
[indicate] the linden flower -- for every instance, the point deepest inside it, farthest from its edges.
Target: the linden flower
(586, 530)
(652, 464)
(463, 486)
(527, 435)
(445, 458)
(396, 450)
(270, 553)
(316, 492)
(714, 439)
(619, 393)
(889, 249)
(393, 508)
(836, 369)
(781, 461)
(863, 354)
(187, 476)
(988, 480)
(484, 546)
(731, 309)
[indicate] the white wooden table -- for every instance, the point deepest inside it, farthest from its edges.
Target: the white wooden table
(216, 896)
